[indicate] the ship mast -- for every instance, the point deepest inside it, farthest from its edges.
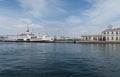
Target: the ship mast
(27, 30)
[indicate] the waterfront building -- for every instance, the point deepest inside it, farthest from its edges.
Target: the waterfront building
(109, 34)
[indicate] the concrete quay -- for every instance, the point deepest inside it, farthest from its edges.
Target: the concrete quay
(98, 42)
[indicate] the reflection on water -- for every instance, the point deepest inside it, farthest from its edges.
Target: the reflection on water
(59, 60)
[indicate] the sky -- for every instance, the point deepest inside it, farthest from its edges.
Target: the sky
(69, 18)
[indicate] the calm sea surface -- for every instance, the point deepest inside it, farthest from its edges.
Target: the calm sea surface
(59, 60)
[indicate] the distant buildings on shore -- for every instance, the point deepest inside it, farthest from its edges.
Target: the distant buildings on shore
(109, 34)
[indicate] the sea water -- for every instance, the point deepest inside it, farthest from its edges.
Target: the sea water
(59, 60)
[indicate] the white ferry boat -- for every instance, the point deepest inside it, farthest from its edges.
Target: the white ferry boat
(28, 37)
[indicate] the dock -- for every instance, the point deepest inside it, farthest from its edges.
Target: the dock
(98, 42)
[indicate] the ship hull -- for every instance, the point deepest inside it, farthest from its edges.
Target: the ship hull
(42, 41)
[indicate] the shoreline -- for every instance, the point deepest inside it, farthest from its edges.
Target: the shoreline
(75, 42)
(98, 42)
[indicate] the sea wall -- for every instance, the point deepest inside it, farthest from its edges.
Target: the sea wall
(98, 42)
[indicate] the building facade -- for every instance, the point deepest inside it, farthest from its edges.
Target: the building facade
(109, 34)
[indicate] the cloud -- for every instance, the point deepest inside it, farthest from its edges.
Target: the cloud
(38, 26)
(41, 8)
(71, 26)
(70, 21)
(103, 11)
(73, 20)
(6, 21)
(66, 27)
(25, 20)
(9, 25)
(96, 18)
(93, 20)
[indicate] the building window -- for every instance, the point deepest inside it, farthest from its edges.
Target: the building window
(89, 38)
(107, 38)
(112, 38)
(116, 33)
(112, 32)
(116, 38)
(107, 32)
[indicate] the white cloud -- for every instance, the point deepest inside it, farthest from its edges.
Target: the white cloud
(6, 21)
(25, 20)
(67, 27)
(67, 22)
(94, 20)
(38, 26)
(73, 20)
(9, 25)
(103, 11)
(30, 25)
(41, 7)
(71, 26)
(98, 17)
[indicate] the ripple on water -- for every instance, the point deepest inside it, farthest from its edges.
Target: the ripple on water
(59, 60)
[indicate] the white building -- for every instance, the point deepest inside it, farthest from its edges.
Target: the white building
(110, 34)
